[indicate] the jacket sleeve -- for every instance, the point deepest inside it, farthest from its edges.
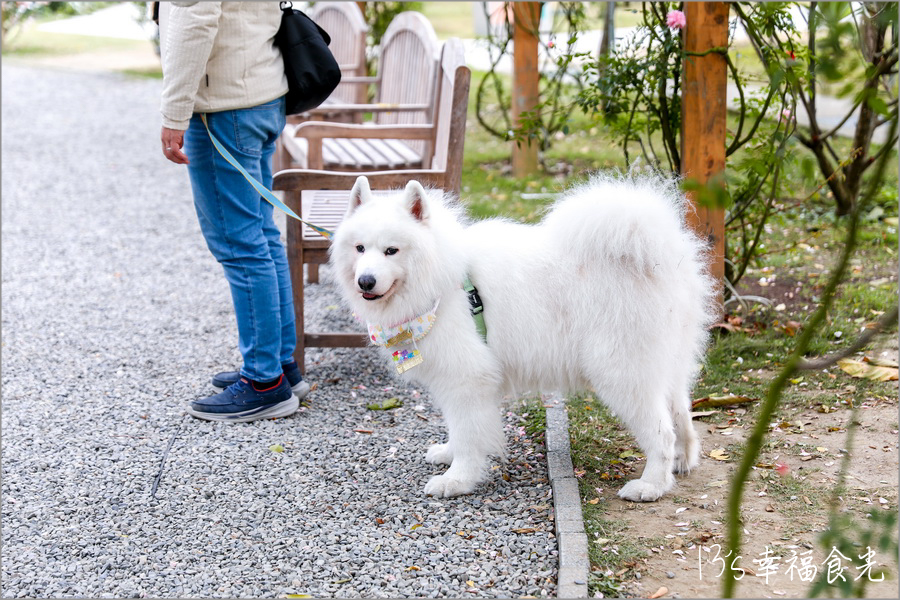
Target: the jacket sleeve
(188, 41)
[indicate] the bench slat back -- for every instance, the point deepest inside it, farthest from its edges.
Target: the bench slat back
(407, 67)
(347, 28)
(452, 106)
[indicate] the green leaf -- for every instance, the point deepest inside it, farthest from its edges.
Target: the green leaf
(388, 404)
(276, 448)
(879, 105)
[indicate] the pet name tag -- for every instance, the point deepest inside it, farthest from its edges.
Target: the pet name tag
(406, 357)
(401, 339)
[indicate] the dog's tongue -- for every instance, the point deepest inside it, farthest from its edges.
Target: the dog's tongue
(369, 296)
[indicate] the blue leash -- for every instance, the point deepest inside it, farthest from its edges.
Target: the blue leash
(263, 190)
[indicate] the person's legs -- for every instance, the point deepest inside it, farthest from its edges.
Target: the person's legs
(282, 268)
(239, 229)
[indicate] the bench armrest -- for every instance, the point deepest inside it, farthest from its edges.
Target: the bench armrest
(312, 179)
(317, 130)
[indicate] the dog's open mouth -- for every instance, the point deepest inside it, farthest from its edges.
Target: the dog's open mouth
(370, 297)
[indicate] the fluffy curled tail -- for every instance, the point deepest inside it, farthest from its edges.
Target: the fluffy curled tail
(633, 228)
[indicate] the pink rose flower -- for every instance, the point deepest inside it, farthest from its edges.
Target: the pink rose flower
(676, 19)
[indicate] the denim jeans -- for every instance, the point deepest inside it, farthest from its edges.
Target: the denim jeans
(241, 233)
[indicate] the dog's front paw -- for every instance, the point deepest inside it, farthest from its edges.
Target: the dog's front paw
(442, 486)
(439, 454)
(638, 490)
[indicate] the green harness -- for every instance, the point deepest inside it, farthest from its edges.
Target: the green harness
(476, 308)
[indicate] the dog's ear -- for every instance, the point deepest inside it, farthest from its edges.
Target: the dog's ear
(417, 201)
(360, 194)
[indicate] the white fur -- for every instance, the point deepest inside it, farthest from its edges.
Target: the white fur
(608, 294)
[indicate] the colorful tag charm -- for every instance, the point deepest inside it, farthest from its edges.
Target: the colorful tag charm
(407, 357)
(401, 339)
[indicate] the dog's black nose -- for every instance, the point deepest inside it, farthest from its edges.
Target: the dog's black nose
(366, 283)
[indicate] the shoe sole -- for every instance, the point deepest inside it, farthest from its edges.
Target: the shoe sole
(301, 390)
(282, 409)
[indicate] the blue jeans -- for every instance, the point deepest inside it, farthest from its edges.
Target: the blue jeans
(241, 233)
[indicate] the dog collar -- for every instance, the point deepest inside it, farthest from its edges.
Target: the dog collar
(413, 330)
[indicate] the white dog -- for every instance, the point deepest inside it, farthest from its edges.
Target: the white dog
(608, 294)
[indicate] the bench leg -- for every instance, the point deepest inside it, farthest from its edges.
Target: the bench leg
(295, 259)
(312, 273)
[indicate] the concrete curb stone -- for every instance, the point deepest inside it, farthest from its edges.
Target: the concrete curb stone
(571, 538)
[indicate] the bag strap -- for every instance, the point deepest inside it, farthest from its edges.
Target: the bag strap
(263, 190)
(287, 8)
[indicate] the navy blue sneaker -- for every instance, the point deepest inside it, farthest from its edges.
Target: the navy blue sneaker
(299, 386)
(241, 402)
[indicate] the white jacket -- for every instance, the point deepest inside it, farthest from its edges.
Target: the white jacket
(218, 56)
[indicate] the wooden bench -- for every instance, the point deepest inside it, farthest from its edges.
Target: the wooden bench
(322, 196)
(404, 95)
(347, 28)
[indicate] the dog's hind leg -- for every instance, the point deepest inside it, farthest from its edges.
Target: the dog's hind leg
(475, 432)
(687, 445)
(646, 413)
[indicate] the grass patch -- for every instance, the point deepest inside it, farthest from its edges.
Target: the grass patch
(532, 411)
(451, 19)
(605, 455)
(31, 43)
(150, 73)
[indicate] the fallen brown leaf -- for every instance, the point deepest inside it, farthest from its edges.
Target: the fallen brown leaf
(791, 328)
(868, 369)
(659, 593)
(703, 413)
(719, 454)
(717, 400)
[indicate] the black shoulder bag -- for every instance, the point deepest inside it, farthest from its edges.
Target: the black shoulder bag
(310, 67)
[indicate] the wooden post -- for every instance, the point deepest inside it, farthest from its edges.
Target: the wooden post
(527, 17)
(703, 122)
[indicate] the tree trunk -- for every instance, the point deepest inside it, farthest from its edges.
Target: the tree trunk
(609, 29)
(703, 121)
(527, 18)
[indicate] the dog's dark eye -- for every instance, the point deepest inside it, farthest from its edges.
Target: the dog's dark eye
(390, 251)
(360, 248)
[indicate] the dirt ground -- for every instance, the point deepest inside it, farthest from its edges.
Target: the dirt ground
(689, 522)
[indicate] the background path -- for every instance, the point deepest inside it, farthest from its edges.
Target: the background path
(114, 315)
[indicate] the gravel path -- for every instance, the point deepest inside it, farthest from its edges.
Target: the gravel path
(114, 315)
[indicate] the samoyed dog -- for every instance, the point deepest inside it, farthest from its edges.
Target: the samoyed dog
(608, 294)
